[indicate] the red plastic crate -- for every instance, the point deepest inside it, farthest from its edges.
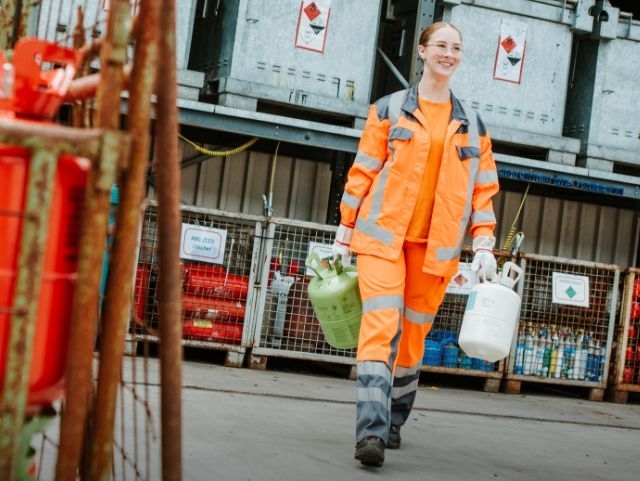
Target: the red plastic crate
(212, 331)
(213, 281)
(60, 266)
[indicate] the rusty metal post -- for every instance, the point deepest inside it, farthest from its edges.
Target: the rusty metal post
(45, 143)
(84, 315)
(15, 18)
(24, 310)
(118, 295)
(169, 281)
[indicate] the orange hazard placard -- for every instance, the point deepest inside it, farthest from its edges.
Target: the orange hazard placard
(510, 54)
(313, 22)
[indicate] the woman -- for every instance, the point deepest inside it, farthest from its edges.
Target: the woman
(424, 172)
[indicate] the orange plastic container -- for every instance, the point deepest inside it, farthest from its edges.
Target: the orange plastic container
(60, 266)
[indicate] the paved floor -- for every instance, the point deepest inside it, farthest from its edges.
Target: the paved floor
(241, 424)
(244, 424)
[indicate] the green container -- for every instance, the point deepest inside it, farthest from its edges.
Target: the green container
(335, 297)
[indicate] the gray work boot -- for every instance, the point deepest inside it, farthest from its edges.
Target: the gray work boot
(394, 437)
(370, 451)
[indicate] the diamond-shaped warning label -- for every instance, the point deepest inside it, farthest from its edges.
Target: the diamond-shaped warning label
(508, 44)
(312, 11)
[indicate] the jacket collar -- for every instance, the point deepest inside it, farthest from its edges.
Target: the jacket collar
(411, 104)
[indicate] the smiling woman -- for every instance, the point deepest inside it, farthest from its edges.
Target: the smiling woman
(424, 173)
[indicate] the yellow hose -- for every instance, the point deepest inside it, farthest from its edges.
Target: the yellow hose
(512, 231)
(219, 153)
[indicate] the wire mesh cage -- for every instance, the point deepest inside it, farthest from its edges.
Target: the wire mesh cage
(288, 325)
(217, 252)
(625, 357)
(566, 321)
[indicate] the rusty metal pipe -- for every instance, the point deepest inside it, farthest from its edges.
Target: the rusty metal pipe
(169, 219)
(95, 222)
(118, 295)
(13, 402)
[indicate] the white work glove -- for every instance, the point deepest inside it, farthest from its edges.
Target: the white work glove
(341, 244)
(484, 263)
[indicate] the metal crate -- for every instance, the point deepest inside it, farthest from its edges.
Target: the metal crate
(262, 54)
(218, 289)
(534, 102)
(601, 104)
(286, 323)
(625, 375)
(567, 318)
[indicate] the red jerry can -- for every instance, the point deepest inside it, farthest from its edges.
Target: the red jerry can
(36, 98)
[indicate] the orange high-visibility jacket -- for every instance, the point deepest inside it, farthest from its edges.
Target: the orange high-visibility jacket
(384, 180)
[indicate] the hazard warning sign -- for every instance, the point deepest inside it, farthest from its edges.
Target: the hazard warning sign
(313, 22)
(510, 55)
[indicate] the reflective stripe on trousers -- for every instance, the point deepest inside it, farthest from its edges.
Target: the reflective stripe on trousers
(399, 305)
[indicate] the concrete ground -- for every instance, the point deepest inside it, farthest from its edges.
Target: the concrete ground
(243, 424)
(288, 424)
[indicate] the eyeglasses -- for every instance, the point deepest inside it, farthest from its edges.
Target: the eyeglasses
(443, 48)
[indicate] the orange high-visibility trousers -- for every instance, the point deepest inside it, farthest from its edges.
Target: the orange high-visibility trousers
(399, 304)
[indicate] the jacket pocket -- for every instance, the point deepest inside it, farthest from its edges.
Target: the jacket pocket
(467, 152)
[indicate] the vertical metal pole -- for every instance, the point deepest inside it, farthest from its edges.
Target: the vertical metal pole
(39, 189)
(84, 315)
(15, 19)
(170, 296)
(118, 296)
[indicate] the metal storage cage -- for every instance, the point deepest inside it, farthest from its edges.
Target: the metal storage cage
(625, 359)
(567, 319)
(602, 101)
(286, 323)
(219, 252)
(442, 353)
(311, 56)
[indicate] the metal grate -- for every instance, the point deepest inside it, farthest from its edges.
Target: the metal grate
(217, 253)
(558, 338)
(288, 323)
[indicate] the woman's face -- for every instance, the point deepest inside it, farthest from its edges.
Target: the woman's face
(442, 53)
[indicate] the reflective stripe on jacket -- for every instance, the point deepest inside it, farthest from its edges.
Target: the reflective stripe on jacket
(383, 183)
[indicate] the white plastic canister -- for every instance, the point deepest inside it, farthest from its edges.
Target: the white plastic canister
(491, 316)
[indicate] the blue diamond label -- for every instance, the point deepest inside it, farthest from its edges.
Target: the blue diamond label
(570, 289)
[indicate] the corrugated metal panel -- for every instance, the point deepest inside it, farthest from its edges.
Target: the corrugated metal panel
(237, 183)
(570, 229)
(554, 227)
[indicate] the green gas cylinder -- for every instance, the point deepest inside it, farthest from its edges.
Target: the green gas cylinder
(335, 297)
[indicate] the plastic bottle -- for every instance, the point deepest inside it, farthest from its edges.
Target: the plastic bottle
(519, 362)
(539, 358)
(560, 360)
(591, 361)
(578, 355)
(553, 362)
(528, 354)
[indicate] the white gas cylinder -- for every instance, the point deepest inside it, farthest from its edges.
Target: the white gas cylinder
(491, 316)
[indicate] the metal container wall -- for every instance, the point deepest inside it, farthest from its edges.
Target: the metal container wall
(535, 104)
(567, 319)
(218, 298)
(625, 375)
(264, 53)
(602, 104)
(286, 323)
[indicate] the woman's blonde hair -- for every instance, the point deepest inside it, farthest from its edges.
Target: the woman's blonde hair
(433, 28)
